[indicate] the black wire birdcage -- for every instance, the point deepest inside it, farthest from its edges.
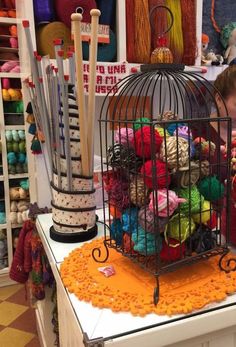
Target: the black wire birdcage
(166, 180)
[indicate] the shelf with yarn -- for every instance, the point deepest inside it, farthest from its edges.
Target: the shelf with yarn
(12, 123)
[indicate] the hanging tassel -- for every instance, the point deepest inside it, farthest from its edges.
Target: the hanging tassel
(35, 146)
(159, 22)
(130, 46)
(188, 9)
(142, 32)
(176, 33)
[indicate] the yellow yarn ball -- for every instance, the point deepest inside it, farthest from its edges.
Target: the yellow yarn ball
(205, 214)
(162, 132)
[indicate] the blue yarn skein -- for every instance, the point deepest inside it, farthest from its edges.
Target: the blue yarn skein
(11, 158)
(130, 220)
(173, 126)
(21, 158)
(106, 52)
(116, 231)
(146, 243)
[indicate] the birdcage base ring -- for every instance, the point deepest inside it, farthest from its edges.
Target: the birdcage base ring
(75, 236)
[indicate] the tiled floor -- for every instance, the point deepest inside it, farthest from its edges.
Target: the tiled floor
(17, 318)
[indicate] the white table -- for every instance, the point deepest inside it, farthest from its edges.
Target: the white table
(82, 324)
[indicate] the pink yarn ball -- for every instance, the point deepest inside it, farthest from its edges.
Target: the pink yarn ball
(124, 136)
(143, 144)
(162, 174)
(167, 202)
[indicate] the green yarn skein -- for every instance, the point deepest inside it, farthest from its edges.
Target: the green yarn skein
(146, 243)
(140, 122)
(211, 188)
(194, 200)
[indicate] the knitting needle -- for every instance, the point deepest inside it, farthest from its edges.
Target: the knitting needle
(71, 59)
(76, 22)
(67, 133)
(92, 84)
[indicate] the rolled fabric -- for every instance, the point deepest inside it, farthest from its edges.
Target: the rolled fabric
(43, 11)
(47, 33)
(106, 51)
(65, 8)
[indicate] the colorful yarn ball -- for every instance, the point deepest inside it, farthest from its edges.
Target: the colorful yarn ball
(179, 228)
(150, 222)
(146, 142)
(172, 251)
(158, 178)
(211, 188)
(114, 212)
(175, 152)
(187, 175)
(167, 116)
(8, 134)
(164, 202)
(116, 187)
(21, 134)
(128, 244)
(146, 243)
(202, 240)
(21, 158)
(204, 167)
(140, 122)
(124, 136)
(203, 216)
(203, 148)
(116, 231)
(138, 192)
(184, 132)
(194, 200)
(130, 220)
(15, 135)
(123, 157)
(11, 158)
(162, 132)
(171, 128)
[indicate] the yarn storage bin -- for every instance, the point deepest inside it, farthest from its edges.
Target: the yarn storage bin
(165, 176)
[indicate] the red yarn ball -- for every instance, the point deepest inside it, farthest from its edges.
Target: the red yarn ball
(162, 174)
(128, 244)
(169, 253)
(142, 141)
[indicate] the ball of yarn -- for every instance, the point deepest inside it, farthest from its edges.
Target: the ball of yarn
(146, 141)
(179, 228)
(172, 251)
(8, 134)
(114, 212)
(150, 222)
(183, 131)
(167, 116)
(204, 215)
(124, 136)
(140, 122)
(123, 157)
(21, 158)
(171, 128)
(204, 166)
(162, 132)
(146, 243)
(194, 200)
(187, 175)
(164, 202)
(116, 187)
(130, 220)
(203, 148)
(202, 240)
(158, 178)
(175, 152)
(138, 192)
(211, 188)
(15, 135)
(11, 158)
(116, 231)
(128, 244)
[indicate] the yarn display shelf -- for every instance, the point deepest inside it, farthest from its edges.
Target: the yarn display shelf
(14, 127)
(3, 226)
(8, 21)
(13, 75)
(8, 50)
(6, 36)
(20, 175)
(15, 226)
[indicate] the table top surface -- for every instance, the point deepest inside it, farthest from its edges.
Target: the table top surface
(104, 323)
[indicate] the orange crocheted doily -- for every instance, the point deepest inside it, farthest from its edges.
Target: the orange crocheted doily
(131, 288)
